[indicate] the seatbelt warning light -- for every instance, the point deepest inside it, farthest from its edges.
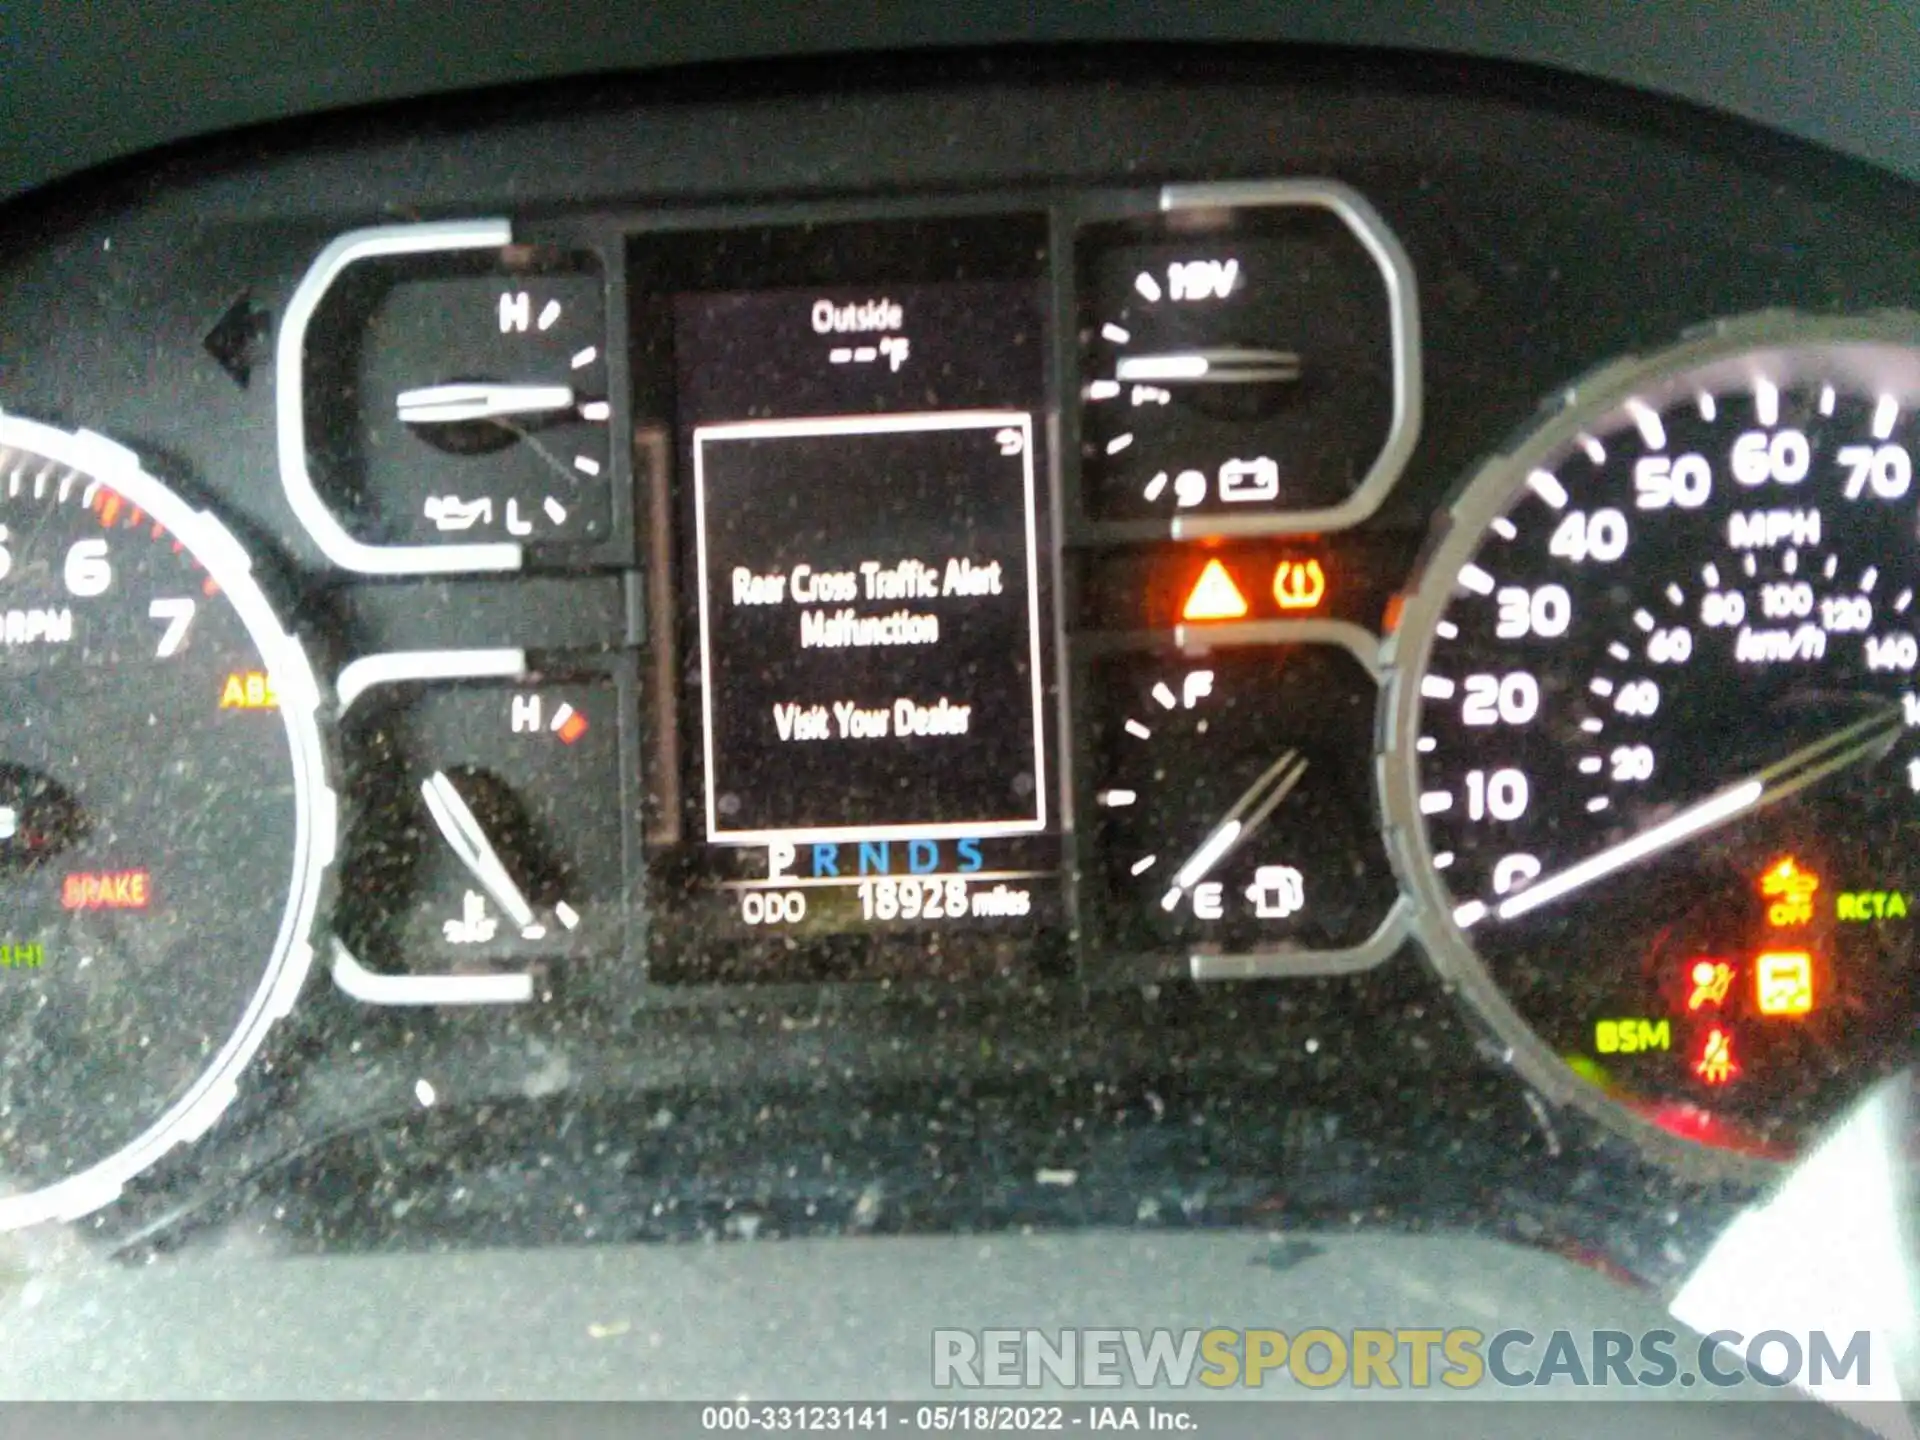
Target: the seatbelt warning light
(1714, 1062)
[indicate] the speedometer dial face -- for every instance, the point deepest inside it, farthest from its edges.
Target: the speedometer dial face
(1656, 733)
(163, 820)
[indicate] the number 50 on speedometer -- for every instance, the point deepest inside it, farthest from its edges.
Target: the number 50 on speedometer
(1654, 733)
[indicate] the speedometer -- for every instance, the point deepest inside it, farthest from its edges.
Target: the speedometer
(1654, 745)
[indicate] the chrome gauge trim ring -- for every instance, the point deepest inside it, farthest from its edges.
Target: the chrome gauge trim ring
(290, 402)
(315, 821)
(1744, 345)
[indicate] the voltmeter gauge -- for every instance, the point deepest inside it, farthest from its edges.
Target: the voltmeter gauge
(1232, 801)
(488, 836)
(452, 407)
(1248, 361)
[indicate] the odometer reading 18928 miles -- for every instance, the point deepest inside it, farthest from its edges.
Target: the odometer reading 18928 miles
(1657, 731)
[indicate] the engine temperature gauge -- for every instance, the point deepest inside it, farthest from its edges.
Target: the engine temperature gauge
(1233, 801)
(488, 835)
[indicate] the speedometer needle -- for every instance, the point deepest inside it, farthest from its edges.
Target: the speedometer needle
(1867, 739)
(1237, 826)
(464, 835)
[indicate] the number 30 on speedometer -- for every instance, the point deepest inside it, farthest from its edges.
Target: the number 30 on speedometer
(1654, 744)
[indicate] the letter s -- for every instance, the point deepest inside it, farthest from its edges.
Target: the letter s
(1218, 1350)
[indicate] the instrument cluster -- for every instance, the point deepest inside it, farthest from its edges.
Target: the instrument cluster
(1064, 588)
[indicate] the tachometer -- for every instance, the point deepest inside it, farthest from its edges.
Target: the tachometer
(1653, 754)
(164, 820)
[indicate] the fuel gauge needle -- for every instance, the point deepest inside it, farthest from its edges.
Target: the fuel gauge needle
(1247, 815)
(463, 833)
(463, 401)
(1867, 739)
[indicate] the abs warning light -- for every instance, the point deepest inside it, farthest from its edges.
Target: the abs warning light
(111, 890)
(248, 690)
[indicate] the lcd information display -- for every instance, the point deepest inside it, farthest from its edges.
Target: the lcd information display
(870, 627)
(865, 619)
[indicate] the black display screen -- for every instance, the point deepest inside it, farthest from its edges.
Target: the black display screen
(869, 627)
(865, 618)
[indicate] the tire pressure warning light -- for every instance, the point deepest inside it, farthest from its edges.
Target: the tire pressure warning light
(1299, 584)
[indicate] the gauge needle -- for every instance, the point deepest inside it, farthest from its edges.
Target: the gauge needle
(448, 404)
(1248, 814)
(456, 821)
(1867, 739)
(1209, 367)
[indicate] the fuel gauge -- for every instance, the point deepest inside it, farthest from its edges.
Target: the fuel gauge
(1248, 361)
(1233, 805)
(488, 836)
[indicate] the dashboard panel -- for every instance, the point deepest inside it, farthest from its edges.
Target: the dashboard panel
(929, 601)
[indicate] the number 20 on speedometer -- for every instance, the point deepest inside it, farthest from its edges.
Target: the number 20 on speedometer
(1655, 732)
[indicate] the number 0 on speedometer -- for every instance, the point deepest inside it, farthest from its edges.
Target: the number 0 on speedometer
(1655, 742)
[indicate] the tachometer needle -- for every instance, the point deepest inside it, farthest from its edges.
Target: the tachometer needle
(1867, 739)
(449, 404)
(464, 835)
(1247, 815)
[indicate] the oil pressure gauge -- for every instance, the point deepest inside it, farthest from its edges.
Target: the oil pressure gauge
(450, 406)
(1248, 359)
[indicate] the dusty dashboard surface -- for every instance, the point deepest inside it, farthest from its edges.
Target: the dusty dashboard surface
(659, 664)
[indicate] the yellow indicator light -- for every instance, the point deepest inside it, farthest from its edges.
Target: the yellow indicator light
(248, 690)
(1790, 888)
(1299, 584)
(1783, 982)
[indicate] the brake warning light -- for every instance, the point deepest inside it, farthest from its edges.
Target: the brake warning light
(110, 890)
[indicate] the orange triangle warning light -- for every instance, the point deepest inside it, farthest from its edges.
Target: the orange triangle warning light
(1215, 596)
